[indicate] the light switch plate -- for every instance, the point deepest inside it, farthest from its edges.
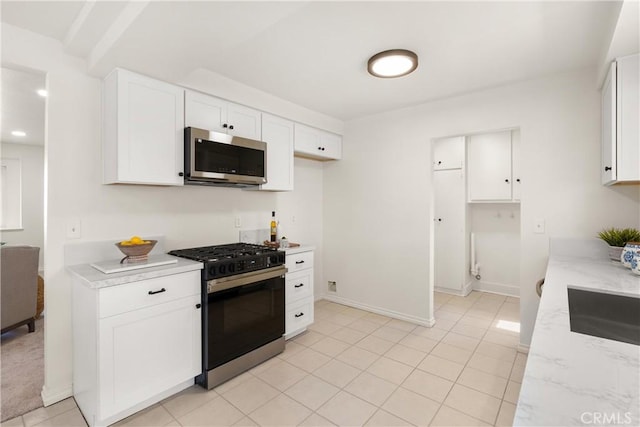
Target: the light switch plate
(538, 226)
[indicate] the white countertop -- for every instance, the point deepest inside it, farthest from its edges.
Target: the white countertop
(571, 378)
(298, 249)
(96, 279)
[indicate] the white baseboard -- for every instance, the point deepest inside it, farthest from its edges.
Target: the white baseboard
(49, 396)
(523, 348)
(461, 293)
(496, 288)
(389, 313)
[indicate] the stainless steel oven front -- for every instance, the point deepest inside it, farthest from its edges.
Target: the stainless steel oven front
(244, 323)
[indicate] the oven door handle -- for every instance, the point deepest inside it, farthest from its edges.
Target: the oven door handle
(244, 279)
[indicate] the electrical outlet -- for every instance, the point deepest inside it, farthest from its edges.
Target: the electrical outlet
(332, 286)
(538, 226)
(238, 222)
(74, 228)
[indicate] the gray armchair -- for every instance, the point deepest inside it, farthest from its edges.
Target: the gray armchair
(18, 286)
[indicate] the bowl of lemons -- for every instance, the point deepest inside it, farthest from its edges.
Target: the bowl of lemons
(136, 248)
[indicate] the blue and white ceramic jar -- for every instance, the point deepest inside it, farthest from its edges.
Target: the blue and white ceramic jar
(630, 256)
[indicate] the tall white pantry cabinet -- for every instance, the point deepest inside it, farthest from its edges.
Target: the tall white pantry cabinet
(450, 216)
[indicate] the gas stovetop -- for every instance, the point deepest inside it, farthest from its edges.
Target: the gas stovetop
(235, 258)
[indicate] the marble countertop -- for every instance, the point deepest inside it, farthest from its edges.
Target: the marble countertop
(298, 249)
(575, 379)
(96, 279)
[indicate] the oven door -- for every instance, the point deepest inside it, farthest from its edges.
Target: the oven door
(244, 312)
(221, 158)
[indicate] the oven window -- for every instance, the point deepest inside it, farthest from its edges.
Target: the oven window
(243, 319)
(216, 157)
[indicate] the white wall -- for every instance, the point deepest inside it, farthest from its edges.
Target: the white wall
(497, 238)
(32, 167)
(377, 199)
(187, 216)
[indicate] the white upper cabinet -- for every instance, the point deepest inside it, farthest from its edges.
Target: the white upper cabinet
(278, 135)
(211, 113)
(516, 181)
(317, 144)
(489, 167)
(448, 153)
(142, 130)
(620, 124)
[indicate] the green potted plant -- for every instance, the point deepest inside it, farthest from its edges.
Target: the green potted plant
(616, 238)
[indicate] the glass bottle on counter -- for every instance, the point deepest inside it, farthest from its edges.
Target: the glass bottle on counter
(274, 226)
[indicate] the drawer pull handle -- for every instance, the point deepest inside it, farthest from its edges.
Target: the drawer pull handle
(299, 286)
(300, 262)
(198, 305)
(157, 292)
(299, 314)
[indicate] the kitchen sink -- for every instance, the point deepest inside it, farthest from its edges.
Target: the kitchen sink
(603, 315)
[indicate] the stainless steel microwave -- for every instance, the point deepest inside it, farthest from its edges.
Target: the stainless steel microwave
(215, 158)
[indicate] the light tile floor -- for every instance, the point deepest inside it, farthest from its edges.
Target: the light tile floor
(356, 368)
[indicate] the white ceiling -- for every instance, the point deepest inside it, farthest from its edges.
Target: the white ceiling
(22, 108)
(314, 53)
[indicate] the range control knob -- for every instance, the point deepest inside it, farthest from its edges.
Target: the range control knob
(222, 269)
(212, 271)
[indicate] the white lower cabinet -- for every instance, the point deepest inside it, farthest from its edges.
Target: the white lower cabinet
(298, 291)
(134, 344)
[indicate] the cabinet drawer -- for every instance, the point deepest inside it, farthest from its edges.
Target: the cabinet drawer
(299, 261)
(299, 315)
(299, 285)
(145, 293)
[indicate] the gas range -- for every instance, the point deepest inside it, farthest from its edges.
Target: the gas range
(231, 259)
(243, 307)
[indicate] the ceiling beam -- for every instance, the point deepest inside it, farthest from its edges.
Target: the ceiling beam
(78, 23)
(115, 31)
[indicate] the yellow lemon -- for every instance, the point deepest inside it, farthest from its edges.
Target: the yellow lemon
(136, 240)
(125, 243)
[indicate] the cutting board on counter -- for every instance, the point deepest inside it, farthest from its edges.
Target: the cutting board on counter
(114, 266)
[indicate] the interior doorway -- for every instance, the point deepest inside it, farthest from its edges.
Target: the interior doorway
(22, 221)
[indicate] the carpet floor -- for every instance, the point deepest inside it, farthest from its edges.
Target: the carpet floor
(21, 370)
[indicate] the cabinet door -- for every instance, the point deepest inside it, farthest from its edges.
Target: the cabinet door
(278, 134)
(147, 147)
(515, 164)
(147, 351)
(205, 112)
(331, 145)
(244, 121)
(489, 167)
(307, 140)
(448, 153)
(627, 120)
(608, 166)
(449, 229)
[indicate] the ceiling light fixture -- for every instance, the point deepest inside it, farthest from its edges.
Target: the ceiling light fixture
(18, 133)
(392, 63)
(42, 92)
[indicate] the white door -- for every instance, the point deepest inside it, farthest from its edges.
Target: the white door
(331, 145)
(608, 165)
(516, 179)
(627, 121)
(147, 351)
(150, 130)
(449, 235)
(205, 112)
(244, 121)
(307, 140)
(278, 134)
(489, 166)
(448, 153)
